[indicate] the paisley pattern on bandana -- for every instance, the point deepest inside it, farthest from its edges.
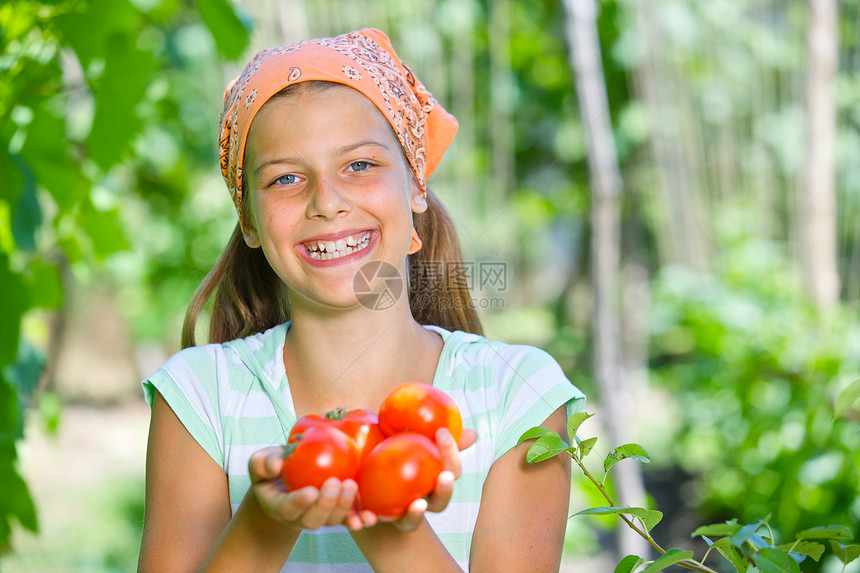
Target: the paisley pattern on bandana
(363, 60)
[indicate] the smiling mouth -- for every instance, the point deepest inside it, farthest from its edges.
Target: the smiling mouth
(327, 250)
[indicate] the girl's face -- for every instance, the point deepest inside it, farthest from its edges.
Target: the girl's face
(329, 190)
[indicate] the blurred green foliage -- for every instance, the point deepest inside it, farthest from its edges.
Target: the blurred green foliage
(754, 374)
(107, 147)
(95, 123)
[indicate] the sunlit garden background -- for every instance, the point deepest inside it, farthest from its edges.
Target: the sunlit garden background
(706, 298)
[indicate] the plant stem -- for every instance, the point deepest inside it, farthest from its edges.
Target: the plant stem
(687, 564)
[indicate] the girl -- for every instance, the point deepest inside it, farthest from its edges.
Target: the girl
(326, 146)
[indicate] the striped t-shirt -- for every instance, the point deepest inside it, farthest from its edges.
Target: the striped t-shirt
(234, 399)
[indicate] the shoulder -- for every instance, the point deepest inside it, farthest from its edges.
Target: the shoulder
(208, 360)
(468, 351)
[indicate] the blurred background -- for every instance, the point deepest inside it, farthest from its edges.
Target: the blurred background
(664, 194)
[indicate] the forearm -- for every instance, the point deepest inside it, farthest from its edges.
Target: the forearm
(387, 548)
(252, 541)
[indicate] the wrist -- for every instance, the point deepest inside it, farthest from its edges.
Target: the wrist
(252, 539)
(264, 524)
(388, 548)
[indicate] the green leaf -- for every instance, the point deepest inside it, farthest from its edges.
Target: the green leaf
(87, 27)
(586, 446)
(811, 548)
(10, 422)
(13, 304)
(628, 564)
(649, 517)
(45, 285)
(545, 447)
(671, 557)
(758, 541)
(845, 553)
(731, 553)
(535, 432)
(229, 32)
(727, 528)
(634, 451)
(46, 152)
(19, 188)
(15, 501)
(24, 373)
(12, 171)
(744, 533)
(105, 231)
(773, 560)
(27, 217)
(838, 532)
(846, 398)
(574, 422)
(122, 86)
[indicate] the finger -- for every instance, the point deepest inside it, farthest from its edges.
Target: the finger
(468, 438)
(353, 520)
(368, 518)
(449, 451)
(414, 516)
(283, 505)
(266, 464)
(442, 494)
(345, 502)
(318, 514)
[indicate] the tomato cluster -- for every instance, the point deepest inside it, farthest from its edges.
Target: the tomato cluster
(392, 456)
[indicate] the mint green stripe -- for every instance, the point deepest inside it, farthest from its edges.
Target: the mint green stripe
(189, 417)
(540, 411)
(457, 545)
(335, 547)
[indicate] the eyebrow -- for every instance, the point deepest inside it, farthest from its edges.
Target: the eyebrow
(340, 151)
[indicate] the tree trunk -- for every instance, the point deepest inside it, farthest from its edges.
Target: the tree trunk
(682, 237)
(606, 188)
(817, 213)
(501, 106)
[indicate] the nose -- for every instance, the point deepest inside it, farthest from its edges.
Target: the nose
(327, 200)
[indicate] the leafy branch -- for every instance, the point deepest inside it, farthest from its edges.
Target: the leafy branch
(749, 548)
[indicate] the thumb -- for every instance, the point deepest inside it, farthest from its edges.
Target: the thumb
(266, 464)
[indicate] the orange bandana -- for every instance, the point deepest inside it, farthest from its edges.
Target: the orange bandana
(363, 60)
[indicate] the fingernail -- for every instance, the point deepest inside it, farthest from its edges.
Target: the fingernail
(444, 438)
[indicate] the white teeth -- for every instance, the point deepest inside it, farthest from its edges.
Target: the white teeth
(327, 250)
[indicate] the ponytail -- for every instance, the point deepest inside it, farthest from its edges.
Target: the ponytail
(249, 296)
(436, 295)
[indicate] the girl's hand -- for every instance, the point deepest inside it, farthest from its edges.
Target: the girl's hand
(308, 507)
(438, 500)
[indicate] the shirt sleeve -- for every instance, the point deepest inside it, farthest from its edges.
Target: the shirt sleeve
(531, 386)
(188, 382)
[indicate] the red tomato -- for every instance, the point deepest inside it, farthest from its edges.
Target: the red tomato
(318, 453)
(420, 408)
(398, 471)
(360, 425)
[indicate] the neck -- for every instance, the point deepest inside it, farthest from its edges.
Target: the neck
(354, 358)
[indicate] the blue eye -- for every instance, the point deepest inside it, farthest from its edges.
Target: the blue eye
(356, 166)
(288, 179)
